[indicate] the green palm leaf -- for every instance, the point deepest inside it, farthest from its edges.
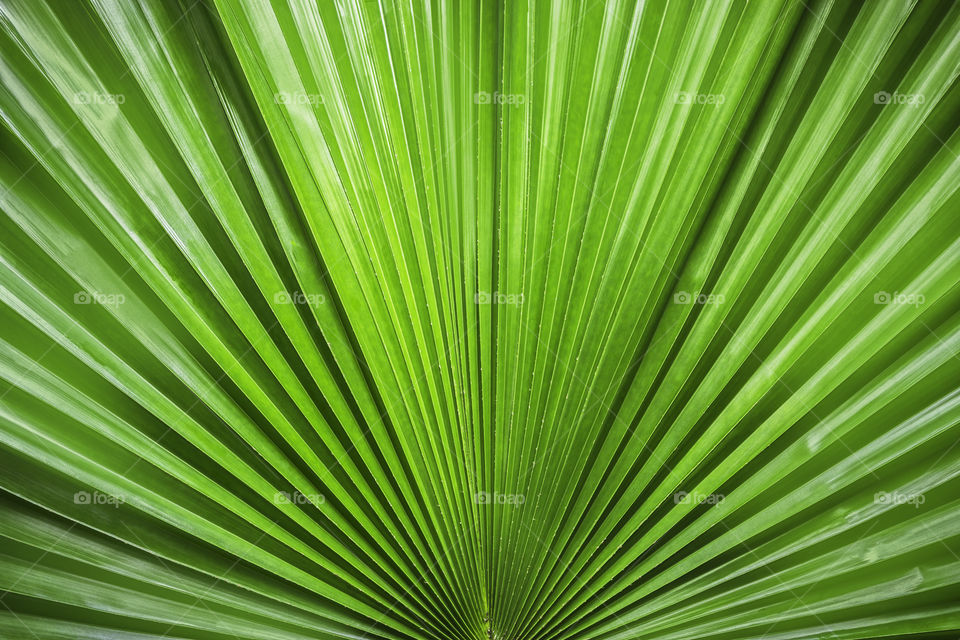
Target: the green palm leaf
(540, 320)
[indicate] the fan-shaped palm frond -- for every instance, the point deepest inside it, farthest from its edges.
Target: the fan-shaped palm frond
(519, 320)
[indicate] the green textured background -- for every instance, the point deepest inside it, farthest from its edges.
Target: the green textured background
(479, 320)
